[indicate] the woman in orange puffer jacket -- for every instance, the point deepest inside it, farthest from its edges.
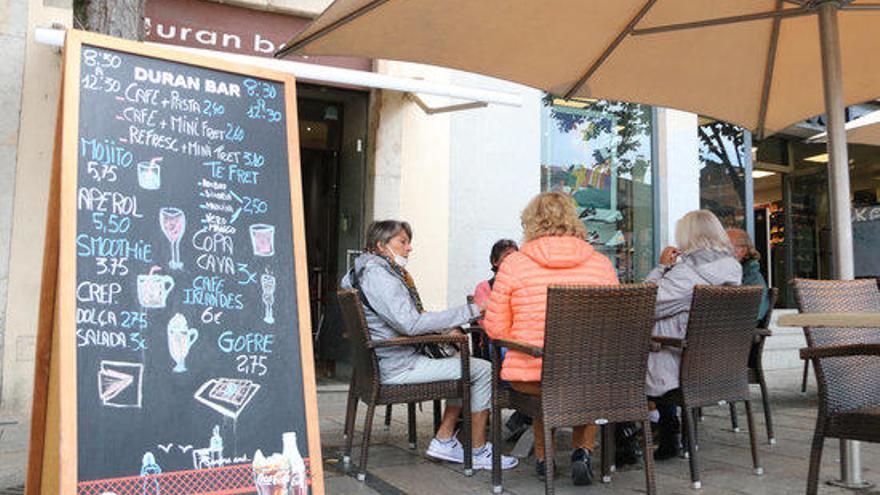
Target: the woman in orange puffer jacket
(554, 252)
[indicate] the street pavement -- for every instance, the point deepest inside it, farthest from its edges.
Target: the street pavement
(724, 456)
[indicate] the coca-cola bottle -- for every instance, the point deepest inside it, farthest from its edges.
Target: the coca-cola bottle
(298, 478)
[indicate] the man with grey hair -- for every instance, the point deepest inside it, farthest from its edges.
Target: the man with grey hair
(744, 252)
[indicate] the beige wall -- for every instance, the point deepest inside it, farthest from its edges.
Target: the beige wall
(411, 176)
(41, 78)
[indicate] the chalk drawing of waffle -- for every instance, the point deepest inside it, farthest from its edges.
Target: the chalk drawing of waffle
(228, 396)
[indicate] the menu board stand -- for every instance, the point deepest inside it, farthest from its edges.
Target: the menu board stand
(173, 348)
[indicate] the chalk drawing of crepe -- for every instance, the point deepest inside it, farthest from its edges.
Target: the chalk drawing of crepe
(120, 383)
(228, 396)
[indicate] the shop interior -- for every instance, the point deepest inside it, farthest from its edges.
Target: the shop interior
(791, 208)
(332, 133)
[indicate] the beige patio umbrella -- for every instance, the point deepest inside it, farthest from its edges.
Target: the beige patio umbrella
(761, 64)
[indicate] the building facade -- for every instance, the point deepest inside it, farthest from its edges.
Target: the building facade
(461, 178)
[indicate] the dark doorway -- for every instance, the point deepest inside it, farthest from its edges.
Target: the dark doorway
(332, 130)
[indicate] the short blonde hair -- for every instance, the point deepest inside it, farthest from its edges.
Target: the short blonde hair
(700, 229)
(551, 214)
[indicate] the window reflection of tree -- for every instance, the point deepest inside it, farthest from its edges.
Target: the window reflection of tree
(722, 178)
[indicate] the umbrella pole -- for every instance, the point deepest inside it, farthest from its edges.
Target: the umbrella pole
(838, 176)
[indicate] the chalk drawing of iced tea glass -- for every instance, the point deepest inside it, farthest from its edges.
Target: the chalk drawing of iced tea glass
(267, 282)
(153, 289)
(150, 174)
(173, 222)
(263, 239)
(180, 340)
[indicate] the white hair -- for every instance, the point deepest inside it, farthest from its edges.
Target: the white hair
(700, 229)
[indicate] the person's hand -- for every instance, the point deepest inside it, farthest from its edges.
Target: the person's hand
(669, 255)
(483, 307)
(454, 331)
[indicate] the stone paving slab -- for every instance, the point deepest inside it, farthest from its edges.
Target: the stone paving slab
(724, 456)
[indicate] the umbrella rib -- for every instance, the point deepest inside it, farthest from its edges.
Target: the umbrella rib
(630, 27)
(798, 12)
(768, 71)
(330, 27)
(864, 6)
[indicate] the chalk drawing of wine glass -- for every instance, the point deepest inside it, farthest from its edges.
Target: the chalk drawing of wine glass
(267, 282)
(180, 340)
(173, 223)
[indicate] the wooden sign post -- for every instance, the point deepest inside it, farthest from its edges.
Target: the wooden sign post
(174, 350)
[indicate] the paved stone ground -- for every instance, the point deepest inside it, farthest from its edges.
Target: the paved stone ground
(724, 455)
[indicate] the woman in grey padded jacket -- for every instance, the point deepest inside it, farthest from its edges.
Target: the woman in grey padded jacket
(704, 257)
(393, 308)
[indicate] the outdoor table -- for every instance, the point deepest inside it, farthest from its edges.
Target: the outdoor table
(835, 320)
(850, 455)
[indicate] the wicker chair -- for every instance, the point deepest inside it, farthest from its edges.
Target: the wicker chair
(846, 362)
(595, 356)
(756, 369)
(366, 387)
(713, 370)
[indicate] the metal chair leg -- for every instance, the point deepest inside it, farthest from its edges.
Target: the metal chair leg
(768, 417)
(496, 447)
(549, 461)
(350, 416)
(806, 371)
(815, 459)
(365, 448)
(607, 439)
(756, 463)
(411, 426)
(687, 417)
(437, 415)
(734, 421)
(647, 443)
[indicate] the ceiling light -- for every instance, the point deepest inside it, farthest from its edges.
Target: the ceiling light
(757, 174)
(820, 158)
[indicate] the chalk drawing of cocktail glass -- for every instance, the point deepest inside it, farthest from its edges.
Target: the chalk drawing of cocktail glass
(150, 174)
(263, 239)
(267, 282)
(180, 340)
(173, 222)
(153, 289)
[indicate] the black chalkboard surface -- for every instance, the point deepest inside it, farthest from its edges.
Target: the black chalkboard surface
(189, 331)
(866, 239)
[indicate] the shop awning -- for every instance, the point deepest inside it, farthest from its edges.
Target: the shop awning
(321, 73)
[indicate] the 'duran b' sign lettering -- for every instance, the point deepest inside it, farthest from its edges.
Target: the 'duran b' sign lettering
(188, 322)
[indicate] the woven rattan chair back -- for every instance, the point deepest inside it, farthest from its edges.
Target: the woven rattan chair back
(850, 382)
(365, 365)
(721, 326)
(596, 348)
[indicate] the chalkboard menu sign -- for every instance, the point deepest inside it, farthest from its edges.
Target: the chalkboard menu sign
(866, 238)
(188, 314)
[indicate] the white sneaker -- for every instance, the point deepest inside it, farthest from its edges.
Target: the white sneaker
(451, 451)
(483, 459)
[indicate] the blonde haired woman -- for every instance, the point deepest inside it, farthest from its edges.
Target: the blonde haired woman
(704, 256)
(554, 252)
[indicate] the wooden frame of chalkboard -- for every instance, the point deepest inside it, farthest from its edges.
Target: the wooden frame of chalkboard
(53, 463)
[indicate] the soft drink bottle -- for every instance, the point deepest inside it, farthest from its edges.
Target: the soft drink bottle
(298, 478)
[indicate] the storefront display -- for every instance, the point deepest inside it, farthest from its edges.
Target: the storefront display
(599, 153)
